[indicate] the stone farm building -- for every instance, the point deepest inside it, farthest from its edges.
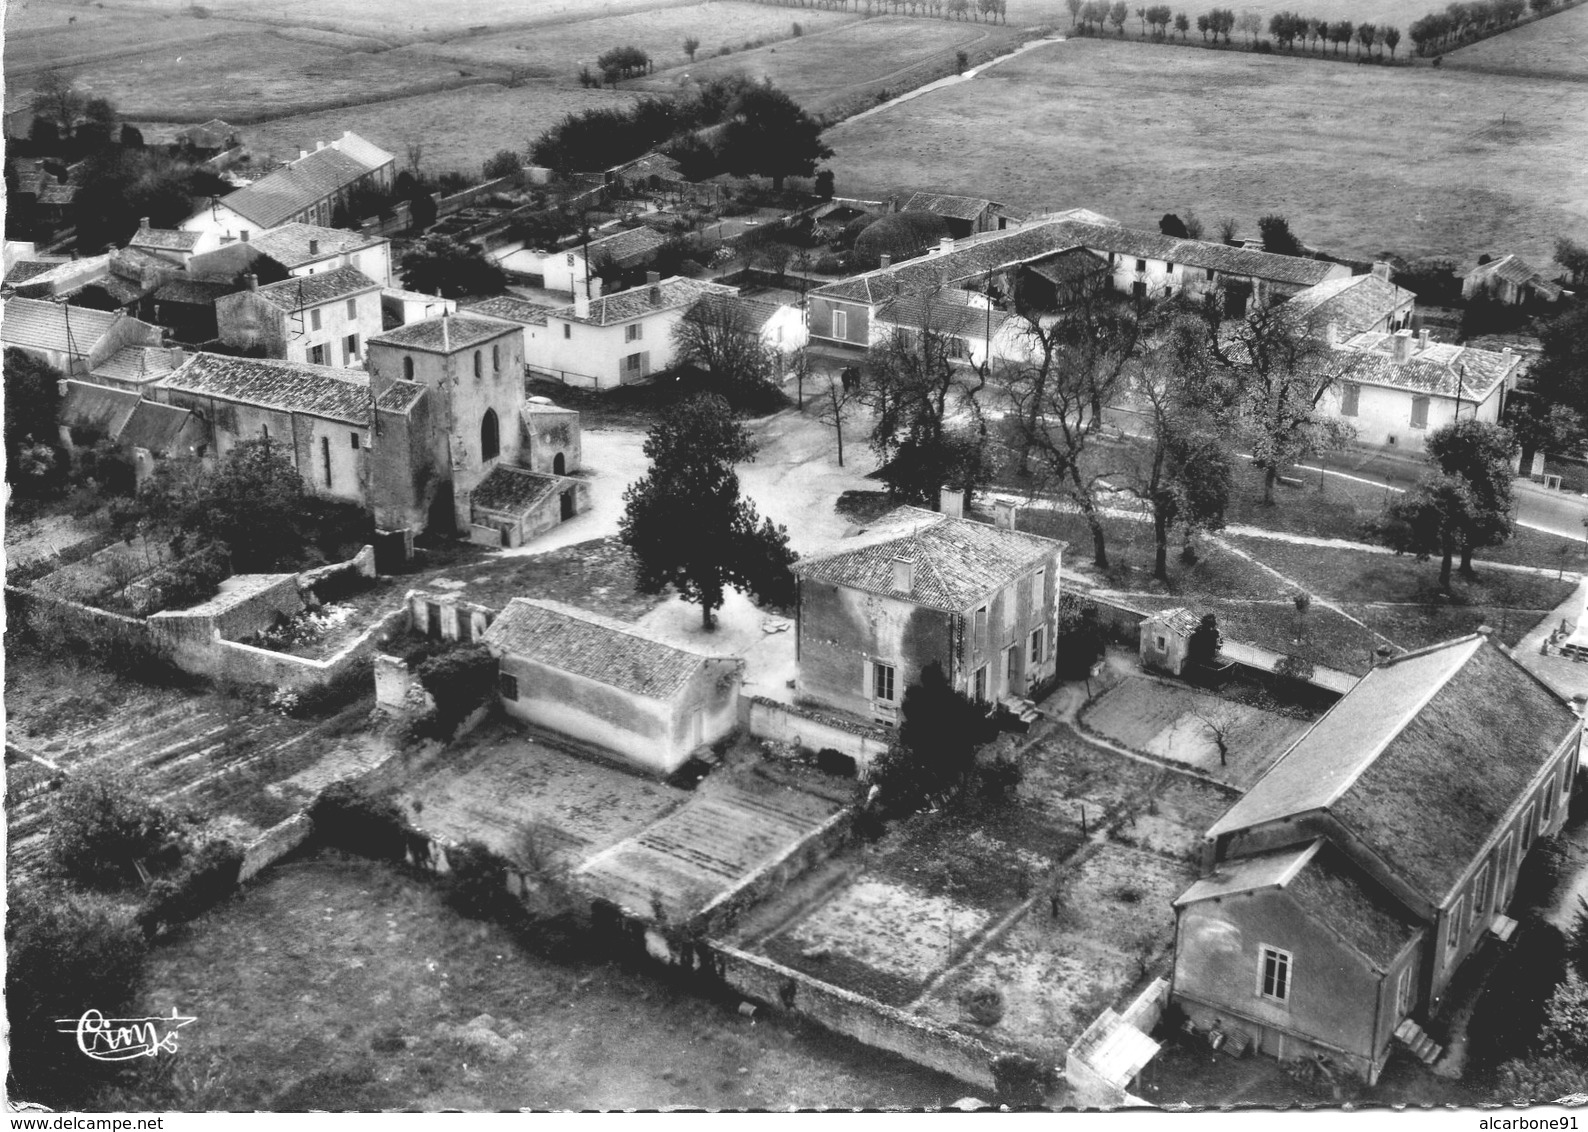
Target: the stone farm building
(308, 190)
(917, 587)
(1510, 280)
(324, 320)
(965, 216)
(75, 340)
(1356, 304)
(1340, 896)
(570, 271)
(611, 684)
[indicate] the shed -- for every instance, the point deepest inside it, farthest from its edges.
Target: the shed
(612, 684)
(512, 505)
(1165, 638)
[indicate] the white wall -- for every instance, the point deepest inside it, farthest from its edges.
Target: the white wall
(373, 261)
(1384, 413)
(335, 325)
(593, 355)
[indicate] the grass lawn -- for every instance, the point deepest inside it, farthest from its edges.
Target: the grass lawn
(1360, 576)
(340, 983)
(1133, 130)
(1556, 47)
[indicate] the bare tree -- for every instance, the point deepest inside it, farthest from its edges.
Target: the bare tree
(57, 98)
(1220, 719)
(691, 45)
(1228, 227)
(1252, 24)
(718, 336)
(836, 400)
(416, 153)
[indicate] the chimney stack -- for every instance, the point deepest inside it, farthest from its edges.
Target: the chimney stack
(653, 280)
(143, 223)
(1332, 332)
(885, 260)
(252, 281)
(302, 153)
(1383, 270)
(318, 146)
(314, 247)
(952, 503)
(1401, 346)
(177, 357)
(581, 305)
(945, 245)
(903, 575)
(1004, 513)
(1422, 339)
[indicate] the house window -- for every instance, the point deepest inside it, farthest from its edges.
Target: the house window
(840, 324)
(317, 355)
(408, 369)
(1041, 588)
(1348, 400)
(352, 308)
(567, 330)
(314, 319)
(496, 358)
(981, 684)
(1529, 831)
(1549, 799)
(1453, 929)
(479, 365)
(1168, 269)
(1213, 277)
(1273, 973)
(1011, 665)
(979, 623)
(1036, 646)
(325, 458)
(508, 684)
(356, 441)
(1403, 992)
(1480, 895)
(490, 436)
(1419, 412)
(633, 332)
(1141, 265)
(1163, 643)
(349, 348)
(632, 363)
(881, 682)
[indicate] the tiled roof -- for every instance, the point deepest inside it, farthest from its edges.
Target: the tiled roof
(512, 309)
(623, 306)
(1421, 760)
(98, 407)
(992, 251)
(1515, 269)
(289, 386)
(193, 292)
(959, 208)
(303, 291)
(514, 490)
(57, 194)
(372, 155)
(133, 262)
(288, 244)
(1072, 266)
(37, 325)
(949, 311)
(627, 248)
(652, 164)
(164, 239)
(399, 396)
(155, 426)
(134, 364)
(283, 193)
(598, 648)
(444, 333)
(210, 135)
(25, 269)
(1354, 305)
(122, 291)
(956, 562)
(1440, 367)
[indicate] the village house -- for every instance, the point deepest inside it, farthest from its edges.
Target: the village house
(206, 139)
(965, 216)
(571, 270)
(145, 431)
(186, 307)
(1510, 280)
(173, 244)
(75, 340)
(969, 326)
(510, 308)
(322, 320)
(617, 339)
(1404, 386)
(921, 587)
(1356, 304)
(297, 249)
(308, 190)
(611, 684)
(1341, 895)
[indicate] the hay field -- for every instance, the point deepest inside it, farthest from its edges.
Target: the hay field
(1417, 161)
(560, 48)
(825, 70)
(1555, 48)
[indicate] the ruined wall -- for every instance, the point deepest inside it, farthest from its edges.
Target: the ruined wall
(805, 728)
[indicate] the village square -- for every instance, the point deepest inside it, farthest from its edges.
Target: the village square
(678, 616)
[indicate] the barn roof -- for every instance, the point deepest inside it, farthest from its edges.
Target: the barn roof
(304, 183)
(1355, 304)
(945, 204)
(34, 324)
(155, 426)
(513, 490)
(292, 387)
(444, 333)
(624, 306)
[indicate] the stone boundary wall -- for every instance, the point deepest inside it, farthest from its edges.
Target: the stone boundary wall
(274, 844)
(784, 723)
(233, 660)
(777, 874)
(854, 1015)
(362, 563)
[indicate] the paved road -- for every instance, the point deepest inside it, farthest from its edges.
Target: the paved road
(1558, 512)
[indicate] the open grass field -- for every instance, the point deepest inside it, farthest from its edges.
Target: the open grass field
(1555, 48)
(829, 70)
(339, 983)
(559, 49)
(1416, 161)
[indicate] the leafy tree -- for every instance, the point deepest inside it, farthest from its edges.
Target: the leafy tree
(1480, 454)
(1283, 369)
(718, 337)
(1203, 646)
(100, 825)
(1540, 429)
(1074, 8)
(1560, 375)
(65, 954)
(622, 62)
(32, 407)
(1252, 24)
(1118, 14)
(1172, 225)
(253, 502)
(1072, 366)
(1204, 25)
(691, 45)
(1341, 32)
(131, 136)
(441, 265)
(458, 680)
(939, 734)
(915, 390)
(504, 163)
(117, 187)
(1277, 237)
(823, 186)
(1181, 25)
(57, 99)
(1430, 519)
(1365, 35)
(687, 525)
(1574, 258)
(769, 135)
(1392, 40)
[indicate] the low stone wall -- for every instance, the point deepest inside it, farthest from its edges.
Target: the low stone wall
(854, 1015)
(246, 604)
(362, 564)
(274, 844)
(777, 874)
(1120, 621)
(814, 731)
(246, 664)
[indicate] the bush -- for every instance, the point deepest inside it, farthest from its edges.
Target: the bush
(100, 825)
(458, 680)
(65, 954)
(1510, 1013)
(476, 881)
(901, 235)
(195, 577)
(983, 1005)
(209, 876)
(830, 264)
(504, 163)
(346, 818)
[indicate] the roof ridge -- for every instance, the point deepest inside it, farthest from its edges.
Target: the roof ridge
(628, 628)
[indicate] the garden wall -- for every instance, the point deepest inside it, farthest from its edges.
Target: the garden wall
(362, 564)
(1120, 621)
(776, 875)
(245, 604)
(854, 1015)
(274, 844)
(457, 202)
(814, 731)
(233, 660)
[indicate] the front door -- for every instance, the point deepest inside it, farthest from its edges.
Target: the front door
(1012, 673)
(567, 504)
